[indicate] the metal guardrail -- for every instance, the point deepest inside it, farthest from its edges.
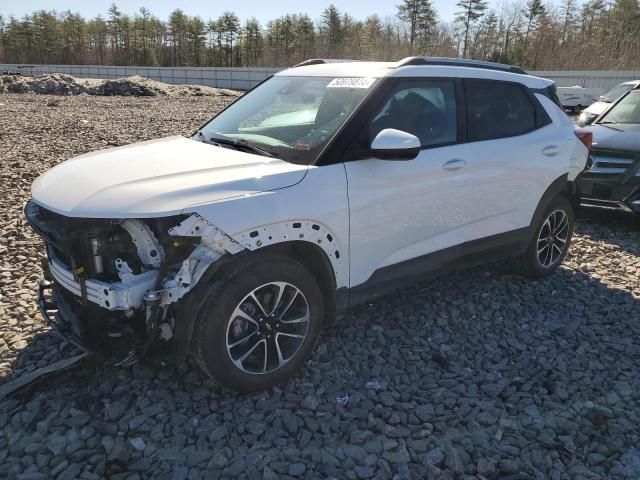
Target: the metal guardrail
(245, 78)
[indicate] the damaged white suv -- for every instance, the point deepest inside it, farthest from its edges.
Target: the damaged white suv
(326, 185)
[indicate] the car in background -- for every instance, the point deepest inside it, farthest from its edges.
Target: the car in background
(577, 98)
(612, 179)
(598, 108)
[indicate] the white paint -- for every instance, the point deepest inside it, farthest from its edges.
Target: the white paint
(403, 210)
(210, 235)
(145, 241)
(157, 178)
(369, 213)
(321, 199)
(392, 139)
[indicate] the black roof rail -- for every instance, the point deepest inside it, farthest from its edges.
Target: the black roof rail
(459, 62)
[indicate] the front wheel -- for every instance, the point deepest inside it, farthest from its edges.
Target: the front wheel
(259, 325)
(550, 242)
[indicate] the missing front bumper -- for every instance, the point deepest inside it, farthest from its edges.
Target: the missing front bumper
(109, 335)
(57, 316)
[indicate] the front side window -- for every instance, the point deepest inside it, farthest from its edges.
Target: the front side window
(426, 109)
(496, 110)
(291, 118)
(626, 110)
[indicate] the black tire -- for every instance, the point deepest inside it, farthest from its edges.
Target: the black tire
(530, 263)
(215, 326)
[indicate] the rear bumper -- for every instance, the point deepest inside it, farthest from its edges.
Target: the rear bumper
(620, 194)
(615, 205)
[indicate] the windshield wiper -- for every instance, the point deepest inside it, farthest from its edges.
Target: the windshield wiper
(238, 143)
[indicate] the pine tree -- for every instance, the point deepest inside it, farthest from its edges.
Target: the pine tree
(421, 18)
(372, 31)
(470, 12)
(331, 31)
(252, 43)
(534, 10)
(568, 15)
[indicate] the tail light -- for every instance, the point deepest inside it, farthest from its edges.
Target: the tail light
(585, 136)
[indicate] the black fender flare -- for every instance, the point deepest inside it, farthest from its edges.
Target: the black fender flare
(560, 186)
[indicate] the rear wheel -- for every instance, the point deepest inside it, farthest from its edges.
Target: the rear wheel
(550, 242)
(257, 327)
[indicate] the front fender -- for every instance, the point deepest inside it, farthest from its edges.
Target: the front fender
(315, 210)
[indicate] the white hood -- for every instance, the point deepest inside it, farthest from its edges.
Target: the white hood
(597, 108)
(157, 178)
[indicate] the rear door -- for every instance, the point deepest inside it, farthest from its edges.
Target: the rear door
(517, 152)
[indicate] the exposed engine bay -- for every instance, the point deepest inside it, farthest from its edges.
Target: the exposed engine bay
(112, 285)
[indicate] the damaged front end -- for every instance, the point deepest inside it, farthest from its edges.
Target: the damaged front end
(114, 286)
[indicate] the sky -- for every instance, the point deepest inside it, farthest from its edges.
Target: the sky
(263, 10)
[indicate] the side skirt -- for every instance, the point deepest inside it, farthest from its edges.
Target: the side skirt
(409, 272)
(476, 252)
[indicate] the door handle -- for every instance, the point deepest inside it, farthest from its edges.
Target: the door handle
(551, 151)
(455, 164)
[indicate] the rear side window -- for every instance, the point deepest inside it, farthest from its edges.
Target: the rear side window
(496, 110)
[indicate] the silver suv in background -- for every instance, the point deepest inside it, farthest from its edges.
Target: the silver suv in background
(596, 109)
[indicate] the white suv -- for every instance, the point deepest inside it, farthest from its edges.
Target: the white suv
(326, 185)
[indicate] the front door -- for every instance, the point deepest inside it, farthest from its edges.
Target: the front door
(401, 210)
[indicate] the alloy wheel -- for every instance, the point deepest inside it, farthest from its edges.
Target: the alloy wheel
(267, 328)
(552, 239)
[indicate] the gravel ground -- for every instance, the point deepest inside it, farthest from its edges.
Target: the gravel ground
(481, 374)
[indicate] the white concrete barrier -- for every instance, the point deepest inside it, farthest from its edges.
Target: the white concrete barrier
(245, 78)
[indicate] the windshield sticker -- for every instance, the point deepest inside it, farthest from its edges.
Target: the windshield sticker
(302, 146)
(348, 82)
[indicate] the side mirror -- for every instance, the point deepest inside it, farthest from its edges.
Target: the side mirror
(392, 144)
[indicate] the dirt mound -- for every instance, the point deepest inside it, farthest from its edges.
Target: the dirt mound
(62, 84)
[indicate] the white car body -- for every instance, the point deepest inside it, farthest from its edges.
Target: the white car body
(366, 215)
(578, 97)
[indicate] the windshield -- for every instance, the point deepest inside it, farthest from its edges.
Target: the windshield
(614, 94)
(291, 118)
(626, 111)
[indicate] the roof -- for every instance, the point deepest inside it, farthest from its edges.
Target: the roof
(444, 67)
(341, 69)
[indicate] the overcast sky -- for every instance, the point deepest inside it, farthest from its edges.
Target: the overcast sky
(263, 10)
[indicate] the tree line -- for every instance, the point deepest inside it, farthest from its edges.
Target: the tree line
(569, 34)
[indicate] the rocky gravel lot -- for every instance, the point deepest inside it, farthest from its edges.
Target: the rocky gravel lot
(481, 374)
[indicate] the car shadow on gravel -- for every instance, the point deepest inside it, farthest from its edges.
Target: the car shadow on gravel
(480, 372)
(615, 228)
(41, 350)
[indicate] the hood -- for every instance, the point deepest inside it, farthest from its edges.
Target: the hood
(622, 137)
(157, 178)
(597, 108)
